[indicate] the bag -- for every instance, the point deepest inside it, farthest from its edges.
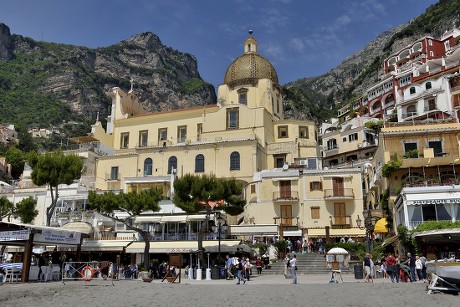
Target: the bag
(287, 263)
(296, 268)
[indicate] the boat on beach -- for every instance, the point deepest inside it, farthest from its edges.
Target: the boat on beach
(446, 269)
(445, 275)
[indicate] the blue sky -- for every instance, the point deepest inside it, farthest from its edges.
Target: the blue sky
(301, 38)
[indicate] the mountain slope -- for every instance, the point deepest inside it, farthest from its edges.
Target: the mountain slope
(46, 84)
(360, 70)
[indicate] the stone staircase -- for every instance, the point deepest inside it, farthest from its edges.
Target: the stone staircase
(307, 264)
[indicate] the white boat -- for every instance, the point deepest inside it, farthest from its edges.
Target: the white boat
(447, 271)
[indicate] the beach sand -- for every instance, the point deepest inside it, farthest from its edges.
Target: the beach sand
(264, 290)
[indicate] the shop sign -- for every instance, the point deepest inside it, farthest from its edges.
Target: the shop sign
(15, 235)
(437, 201)
(57, 236)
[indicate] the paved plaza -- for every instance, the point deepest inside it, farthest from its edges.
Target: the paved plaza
(263, 290)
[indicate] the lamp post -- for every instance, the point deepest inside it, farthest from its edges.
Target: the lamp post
(219, 228)
(369, 224)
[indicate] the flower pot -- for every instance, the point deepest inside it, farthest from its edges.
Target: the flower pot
(145, 276)
(170, 278)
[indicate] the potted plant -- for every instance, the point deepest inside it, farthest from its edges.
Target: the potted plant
(145, 276)
(281, 247)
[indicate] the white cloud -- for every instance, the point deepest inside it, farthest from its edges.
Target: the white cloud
(273, 50)
(297, 44)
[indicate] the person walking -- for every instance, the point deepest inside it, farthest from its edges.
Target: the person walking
(259, 266)
(411, 263)
(367, 267)
(418, 267)
(391, 267)
(286, 265)
(228, 267)
(293, 264)
(239, 268)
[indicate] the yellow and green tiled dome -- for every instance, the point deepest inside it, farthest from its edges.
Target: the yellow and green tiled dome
(250, 67)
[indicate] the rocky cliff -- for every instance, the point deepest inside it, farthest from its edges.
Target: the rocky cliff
(69, 83)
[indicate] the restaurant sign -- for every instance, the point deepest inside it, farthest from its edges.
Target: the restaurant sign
(437, 201)
(58, 236)
(15, 235)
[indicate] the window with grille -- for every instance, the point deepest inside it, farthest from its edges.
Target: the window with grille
(172, 164)
(148, 167)
(199, 164)
(233, 118)
(235, 161)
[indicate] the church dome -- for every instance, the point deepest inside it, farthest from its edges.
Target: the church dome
(250, 67)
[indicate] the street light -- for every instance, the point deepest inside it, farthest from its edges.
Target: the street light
(219, 228)
(369, 223)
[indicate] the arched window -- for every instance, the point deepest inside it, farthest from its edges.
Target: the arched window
(412, 90)
(172, 164)
(235, 161)
(428, 85)
(411, 110)
(199, 164)
(148, 166)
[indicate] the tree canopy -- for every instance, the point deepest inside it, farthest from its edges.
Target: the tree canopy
(52, 169)
(133, 204)
(191, 191)
(25, 210)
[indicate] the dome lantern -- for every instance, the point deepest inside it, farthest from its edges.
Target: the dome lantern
(250, 67)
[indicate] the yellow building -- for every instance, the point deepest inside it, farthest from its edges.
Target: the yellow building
(425, 186)
(244, 133)
(302, 200)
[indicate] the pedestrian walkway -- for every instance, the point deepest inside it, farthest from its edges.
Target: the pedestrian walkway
(272, 279)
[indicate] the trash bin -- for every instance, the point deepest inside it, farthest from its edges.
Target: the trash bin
(215, 272)
(358, 271)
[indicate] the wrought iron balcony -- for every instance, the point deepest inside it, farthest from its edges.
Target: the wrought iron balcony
(341, 221)
(286, 196)
(343, 193)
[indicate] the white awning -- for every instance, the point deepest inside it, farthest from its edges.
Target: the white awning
(165, 247)
(292, 233)
(258, 229)
(147, 219)
(173, 218)
(196, 217)
(105, 245)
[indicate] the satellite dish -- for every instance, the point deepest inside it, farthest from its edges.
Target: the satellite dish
(285, 167)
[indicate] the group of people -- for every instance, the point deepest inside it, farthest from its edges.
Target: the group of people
(305, 246)
(240, 268)
(413, 268)
(47, 262)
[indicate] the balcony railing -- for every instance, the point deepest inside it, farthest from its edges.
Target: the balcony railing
(341, 221)
(286, 196)
(286, 220)
(343, 193)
